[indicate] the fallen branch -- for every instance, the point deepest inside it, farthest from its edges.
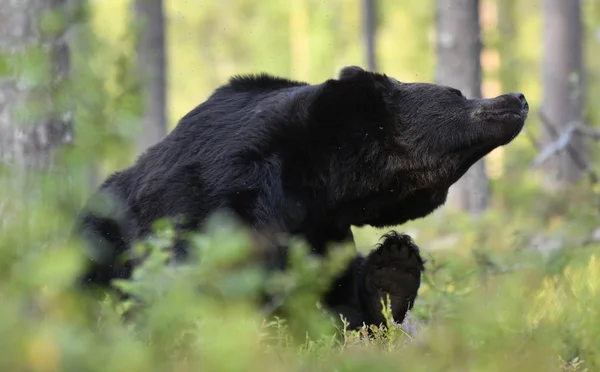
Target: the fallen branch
(588, 131)
(564, 142)
(555, 147)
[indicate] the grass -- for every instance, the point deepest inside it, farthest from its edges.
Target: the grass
(488, 302)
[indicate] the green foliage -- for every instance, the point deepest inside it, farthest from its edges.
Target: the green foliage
(476, 309)
(495, 296)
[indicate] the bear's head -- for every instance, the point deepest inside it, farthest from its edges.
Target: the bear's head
(395, 148)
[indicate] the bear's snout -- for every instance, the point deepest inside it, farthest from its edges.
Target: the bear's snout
(522, 100)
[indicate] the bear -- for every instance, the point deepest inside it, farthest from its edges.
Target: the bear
(393, 268)
(308, 160)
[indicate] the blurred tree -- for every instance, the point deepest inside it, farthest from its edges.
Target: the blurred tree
(34, 66)
(370, 19)
(151, 63)
(562, 95)
(459, 66)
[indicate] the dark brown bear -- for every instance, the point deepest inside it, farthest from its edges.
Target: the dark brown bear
(313, 160)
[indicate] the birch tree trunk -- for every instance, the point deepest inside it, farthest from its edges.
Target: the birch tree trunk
(152, 64)
(370, 19)
(562, 87)
(34, 113)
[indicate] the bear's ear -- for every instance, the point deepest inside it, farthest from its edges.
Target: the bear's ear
(349, 72)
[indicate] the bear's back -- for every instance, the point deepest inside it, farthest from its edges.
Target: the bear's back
(225, 122)
(213, 155)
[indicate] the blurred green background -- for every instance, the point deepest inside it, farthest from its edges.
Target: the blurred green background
(512, 287)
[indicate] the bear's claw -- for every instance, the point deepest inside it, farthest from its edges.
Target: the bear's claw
(393, 268)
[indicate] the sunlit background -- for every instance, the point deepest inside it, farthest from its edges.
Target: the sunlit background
(512, 280)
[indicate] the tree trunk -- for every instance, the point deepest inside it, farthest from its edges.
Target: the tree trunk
(152, 64)
(370, 21)
(34, 119)
(459, 66)
(562, 94)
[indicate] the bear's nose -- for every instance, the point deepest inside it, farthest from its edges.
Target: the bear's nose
(522, 99)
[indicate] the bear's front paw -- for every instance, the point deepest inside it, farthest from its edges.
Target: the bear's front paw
(393, 268)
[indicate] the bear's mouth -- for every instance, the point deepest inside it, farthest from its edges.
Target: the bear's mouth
(511, 123)
(498, 127)
(493, 127)
(506, 127)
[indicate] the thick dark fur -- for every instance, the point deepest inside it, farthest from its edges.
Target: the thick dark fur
(393, 268)
(286, 156)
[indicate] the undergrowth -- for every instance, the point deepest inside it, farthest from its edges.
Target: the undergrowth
(516, 289)
(487, 303)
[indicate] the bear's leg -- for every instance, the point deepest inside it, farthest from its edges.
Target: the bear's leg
(393, 268)
(105, 243)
